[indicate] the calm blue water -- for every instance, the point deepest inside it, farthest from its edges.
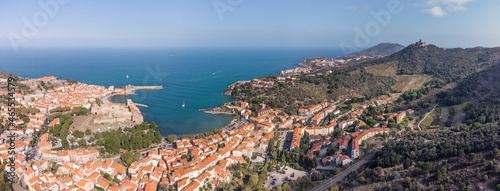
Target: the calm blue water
(196, 76)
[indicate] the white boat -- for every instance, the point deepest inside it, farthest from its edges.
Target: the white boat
(127, 76)
(183, 104)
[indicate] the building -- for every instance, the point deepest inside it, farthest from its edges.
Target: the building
(297, 135)
(400, 117)
(264, 111)
(363, 136)
(320, 130)
(346, 123)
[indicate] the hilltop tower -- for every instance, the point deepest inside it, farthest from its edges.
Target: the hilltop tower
(420, 43)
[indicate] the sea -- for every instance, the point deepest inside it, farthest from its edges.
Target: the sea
(195, 77)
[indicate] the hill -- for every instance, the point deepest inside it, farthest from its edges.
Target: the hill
(4, 75)
(382, 49)
(411, 68)
(313, 89)
(460, 151)
(448, 65)
(3, 80)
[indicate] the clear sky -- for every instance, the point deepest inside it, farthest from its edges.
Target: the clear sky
(246, 23)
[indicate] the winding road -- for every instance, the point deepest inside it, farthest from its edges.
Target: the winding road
(433, 107)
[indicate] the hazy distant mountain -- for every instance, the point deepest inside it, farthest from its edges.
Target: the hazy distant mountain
(382, 49)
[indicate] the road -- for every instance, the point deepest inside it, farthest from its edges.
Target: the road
(334, 180)
(433, 107)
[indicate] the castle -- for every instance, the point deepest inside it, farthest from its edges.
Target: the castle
(420, 43)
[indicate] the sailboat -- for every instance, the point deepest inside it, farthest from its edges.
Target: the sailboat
(127, 76)
(183, 104)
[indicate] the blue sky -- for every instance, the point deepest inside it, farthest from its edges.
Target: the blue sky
(245, 23)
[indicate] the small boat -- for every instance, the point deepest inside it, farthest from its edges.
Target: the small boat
(183, 104)
(127, 76)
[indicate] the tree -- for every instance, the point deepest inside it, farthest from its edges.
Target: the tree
(83, 111)
(354, 99)
(442, 170)
(331, 150)
(82, 142)
(356, 122)
(65, 143)
(127, 157)
(130, 157)
(98, 135)
(88, 131)
(391, 123)
(400, 99)
(26, 119)
(472, 157)
(111, 145)
(372, 122)
(78, 134)
(254, 179)
(461, 153)
(379, 170)
(334, 188)
(286, 187)
(106, 176)
(463, 187)
(391, 120)
(426, 166)
(172, 138)
(496, 152)
(152, 125)
(364, 127)
(262, 177)
(485, 177)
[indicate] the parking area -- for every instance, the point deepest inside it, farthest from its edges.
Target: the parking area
(278, 178)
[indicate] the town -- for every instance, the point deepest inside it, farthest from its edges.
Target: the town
(43, 163)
